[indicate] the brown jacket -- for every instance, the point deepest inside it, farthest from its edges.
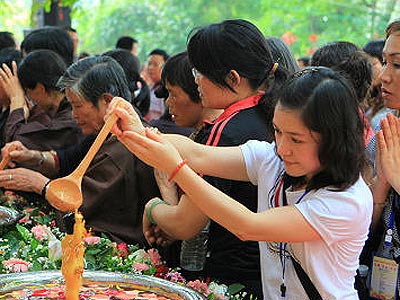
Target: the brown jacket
(41, 131)
(115, 188)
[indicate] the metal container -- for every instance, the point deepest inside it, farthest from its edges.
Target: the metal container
(8, 216)
(20, 281)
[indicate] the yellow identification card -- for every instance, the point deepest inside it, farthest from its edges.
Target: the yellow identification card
(384, 278)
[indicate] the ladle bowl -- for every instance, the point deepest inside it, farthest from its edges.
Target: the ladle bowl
(65, 193)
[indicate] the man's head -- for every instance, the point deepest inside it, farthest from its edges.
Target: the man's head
(128, 43)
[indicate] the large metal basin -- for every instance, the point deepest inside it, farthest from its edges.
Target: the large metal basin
(20, 281)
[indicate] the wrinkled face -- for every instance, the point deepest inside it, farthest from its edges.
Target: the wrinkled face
(390, 75)
(212, 95)
(184, 111)
(89, 118)
(155, 64)
(296, 144)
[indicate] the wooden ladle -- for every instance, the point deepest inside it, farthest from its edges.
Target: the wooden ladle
(65, 193)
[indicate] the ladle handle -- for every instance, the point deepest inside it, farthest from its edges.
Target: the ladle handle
(81, 169)
(4, 162)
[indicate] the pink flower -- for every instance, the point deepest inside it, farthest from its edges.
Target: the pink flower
(91, 240)
(16, 265)
(123, 250)
(199, 286)
(39, 233)
(175, 277)
(154, 257)
(140, 267)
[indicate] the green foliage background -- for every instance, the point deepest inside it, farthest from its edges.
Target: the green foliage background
(166, 23)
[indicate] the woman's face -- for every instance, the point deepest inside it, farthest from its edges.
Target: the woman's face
(89, 118)
(184, 111)
(296, 144)
(212, 95)
(155, 64)
(390, 75)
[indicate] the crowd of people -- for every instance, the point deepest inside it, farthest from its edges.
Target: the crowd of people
(287, 168)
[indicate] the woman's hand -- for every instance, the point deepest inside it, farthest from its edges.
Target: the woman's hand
(168, 189)
(153, 233)
(18, 153)
(129, 120)
(388, 158)
(12, 87)
(22, 179)
(153, 149)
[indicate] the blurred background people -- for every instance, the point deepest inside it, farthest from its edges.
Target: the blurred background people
(128, 43)
(139, 89)
(7, 40)
(52, 38)
(155, 62)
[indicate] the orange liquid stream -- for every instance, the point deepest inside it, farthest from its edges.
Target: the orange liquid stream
(72, 266)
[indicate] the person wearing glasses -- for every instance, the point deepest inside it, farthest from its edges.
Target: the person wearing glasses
(235, 71)
(314, 208)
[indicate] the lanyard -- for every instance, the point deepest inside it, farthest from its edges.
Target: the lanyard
(389, 231)
(282, 246)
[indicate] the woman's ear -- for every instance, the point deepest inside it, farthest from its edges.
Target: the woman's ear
(233, 78)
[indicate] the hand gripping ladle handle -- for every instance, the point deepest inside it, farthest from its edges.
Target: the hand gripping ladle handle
(81, 169)
(5, 160)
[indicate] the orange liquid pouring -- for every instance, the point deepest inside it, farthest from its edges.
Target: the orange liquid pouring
(73, 250)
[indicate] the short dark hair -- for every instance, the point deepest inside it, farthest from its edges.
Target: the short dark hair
(126, 42)
(238, 45)
(129, 63)
(350, 61)
(8, 55)
(94, 76)
(41, 66)
(7, 40)
(161, 52)
(178, 71)
(375, 48)
(52, 38)
(328, 105)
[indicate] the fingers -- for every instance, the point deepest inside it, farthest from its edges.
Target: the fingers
(6, 72)
(394, 126)
(15, 68)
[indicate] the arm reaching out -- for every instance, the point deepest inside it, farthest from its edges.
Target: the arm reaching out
(164, 151)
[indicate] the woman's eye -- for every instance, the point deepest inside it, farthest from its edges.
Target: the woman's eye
(296, 141)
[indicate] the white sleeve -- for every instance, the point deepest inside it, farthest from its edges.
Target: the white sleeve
(257, 155)
(337, 215)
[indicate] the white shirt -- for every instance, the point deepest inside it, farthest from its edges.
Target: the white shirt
(341, 218)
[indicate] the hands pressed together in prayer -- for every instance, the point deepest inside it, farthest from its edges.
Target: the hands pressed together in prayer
(388, 152)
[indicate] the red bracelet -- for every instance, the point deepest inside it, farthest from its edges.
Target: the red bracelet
(178, 167)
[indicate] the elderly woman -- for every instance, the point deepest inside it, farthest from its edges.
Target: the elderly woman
(116, 185)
